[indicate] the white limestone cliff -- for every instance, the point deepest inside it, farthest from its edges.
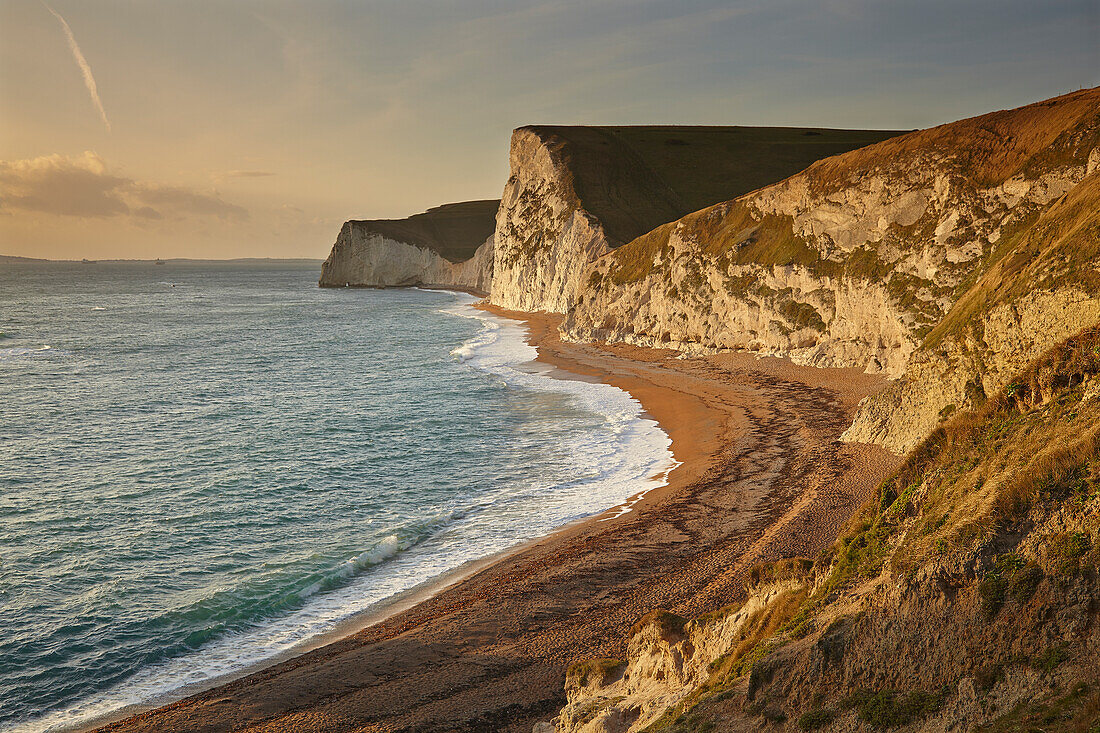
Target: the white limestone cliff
(364, 258)
(544, 238)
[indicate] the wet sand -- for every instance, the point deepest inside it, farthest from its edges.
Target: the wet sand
(761, 476)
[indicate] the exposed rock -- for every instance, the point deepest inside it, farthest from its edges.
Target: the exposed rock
(449, 246)
(946, 257)
(966, 595)
(576, 193)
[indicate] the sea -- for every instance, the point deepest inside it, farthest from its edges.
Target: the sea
(205, 466)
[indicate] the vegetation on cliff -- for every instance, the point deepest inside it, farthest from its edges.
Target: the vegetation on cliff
(948, 257)
(636, 178)
(453, 231)
(965, 594)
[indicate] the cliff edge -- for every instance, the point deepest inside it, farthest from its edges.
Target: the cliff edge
(448, 246)
(963, 597)
(577, 193)
(944, 258)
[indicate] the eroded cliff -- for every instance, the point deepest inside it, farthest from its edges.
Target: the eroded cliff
(576, 193)
(946, 257)
(964, 597)
(448, 246)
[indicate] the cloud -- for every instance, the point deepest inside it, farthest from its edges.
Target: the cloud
(228, 175)
(173, 198)
(84, 187)
(85, 69)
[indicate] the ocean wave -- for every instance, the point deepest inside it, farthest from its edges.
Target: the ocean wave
(610, 459)
(230, 653)
(633, 449)
(13, 352)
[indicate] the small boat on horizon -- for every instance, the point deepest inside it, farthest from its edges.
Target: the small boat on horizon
(86, 261)
(158, 261)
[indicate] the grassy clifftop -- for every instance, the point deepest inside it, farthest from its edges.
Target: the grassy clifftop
(454, 231)
(977, 153)
(635, 178)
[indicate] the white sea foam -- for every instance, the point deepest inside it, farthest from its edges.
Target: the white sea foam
(626, 456)
(17, 351)
(636, 452)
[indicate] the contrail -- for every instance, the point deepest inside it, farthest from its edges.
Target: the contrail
(85, 69)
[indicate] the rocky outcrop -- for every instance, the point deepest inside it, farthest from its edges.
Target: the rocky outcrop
(449, 246)
(668, 658)
(577, 193)
(946, 257)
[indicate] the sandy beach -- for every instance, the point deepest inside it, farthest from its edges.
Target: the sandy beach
(761, 476)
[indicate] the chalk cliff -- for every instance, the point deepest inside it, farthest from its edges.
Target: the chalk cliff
(944, 258)
(576, 193)
(964, 262)
(448, 246)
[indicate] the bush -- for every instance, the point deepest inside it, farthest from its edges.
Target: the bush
(600, 670)
(816, 719)
(890, 709)
(992, 592)
(667, 622)
(1025, 582)
(1049, 659)
(1010, 575)
(791, 568)
(1065, 550)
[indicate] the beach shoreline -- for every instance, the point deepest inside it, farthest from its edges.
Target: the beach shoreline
(712, 423)
(404, 600)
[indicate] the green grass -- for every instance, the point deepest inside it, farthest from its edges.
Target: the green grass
(1058, 248)
(815, 719)
(891, 708)
(1074, 711)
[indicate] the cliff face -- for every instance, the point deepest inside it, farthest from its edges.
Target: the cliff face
(947, 257)
(544, 236)
(576, 193)
(966, 595)
(449, 246)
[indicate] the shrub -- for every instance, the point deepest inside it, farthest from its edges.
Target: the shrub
(815, 719)
(601, 670)
(1025, 582)
(890, 708)
(992, 593)
(792, 568)
(1049, 659)
(1010, 575)
(1065, 550)
(667, 622)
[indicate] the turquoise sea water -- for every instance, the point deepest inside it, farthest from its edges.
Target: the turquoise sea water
(203, 465)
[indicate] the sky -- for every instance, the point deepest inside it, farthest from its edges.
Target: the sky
(254, 128)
